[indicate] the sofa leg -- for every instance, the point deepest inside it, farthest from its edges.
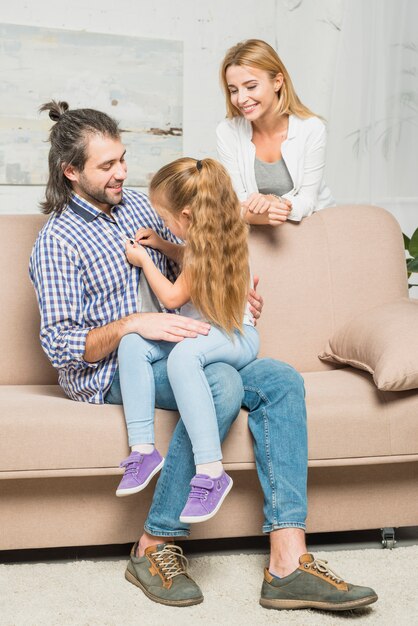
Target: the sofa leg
(388, 538)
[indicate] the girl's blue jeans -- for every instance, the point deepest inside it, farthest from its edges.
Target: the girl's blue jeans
(185, 367)
(273, 392)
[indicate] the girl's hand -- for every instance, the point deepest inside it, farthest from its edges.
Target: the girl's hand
(279, 210)
(135, 253)
(148, 237)
(256, 203)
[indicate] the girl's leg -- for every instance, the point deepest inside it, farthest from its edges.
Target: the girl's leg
(211, 484)
(167, 503)
(135, 356)
(193, 395)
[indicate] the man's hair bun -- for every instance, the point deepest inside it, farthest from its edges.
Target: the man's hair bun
(55, 109)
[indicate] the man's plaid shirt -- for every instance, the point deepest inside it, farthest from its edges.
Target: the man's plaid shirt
(83, 281)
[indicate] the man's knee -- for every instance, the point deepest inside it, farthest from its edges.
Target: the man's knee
(284, 372)
(270, 374)
(226, 386)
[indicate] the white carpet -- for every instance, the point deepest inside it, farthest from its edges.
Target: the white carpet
(90, 593)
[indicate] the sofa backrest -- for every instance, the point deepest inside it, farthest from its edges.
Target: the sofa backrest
(314, 276)
(22, 360)
(317, 274)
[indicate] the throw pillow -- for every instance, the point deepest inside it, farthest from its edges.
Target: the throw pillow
(382, 341)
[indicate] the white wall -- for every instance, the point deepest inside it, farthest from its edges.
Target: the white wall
(331, 48)
(307, 39)
(207, 29)
(304, 33)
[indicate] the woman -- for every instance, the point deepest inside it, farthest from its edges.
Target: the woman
(272, 145)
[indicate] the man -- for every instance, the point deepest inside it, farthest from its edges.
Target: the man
(88, 298)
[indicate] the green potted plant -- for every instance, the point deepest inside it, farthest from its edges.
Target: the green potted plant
(411, 246)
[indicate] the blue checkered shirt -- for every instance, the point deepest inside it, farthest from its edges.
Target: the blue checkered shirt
(83, 281)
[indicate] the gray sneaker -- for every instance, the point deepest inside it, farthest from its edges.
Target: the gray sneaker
(162, 575)
(313, 586)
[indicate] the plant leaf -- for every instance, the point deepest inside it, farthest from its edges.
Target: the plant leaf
(413, 244)
(406, 241)
(412, 265)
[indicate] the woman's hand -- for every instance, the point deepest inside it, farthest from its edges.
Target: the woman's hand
(275, 209)
(148, 237)
(135, 253)
(256, 203)
(279, 210)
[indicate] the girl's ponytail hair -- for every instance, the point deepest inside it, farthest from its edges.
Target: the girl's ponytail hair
(216, 257)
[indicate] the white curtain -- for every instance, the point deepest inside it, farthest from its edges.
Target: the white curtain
(373, 124)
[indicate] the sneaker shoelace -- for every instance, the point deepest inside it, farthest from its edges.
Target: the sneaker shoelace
(198, 492)
(321, 567)
(171, 561)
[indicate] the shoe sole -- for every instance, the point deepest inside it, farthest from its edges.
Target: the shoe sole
(310, 604)
(121, 493)
(189, 602)
(190, 519)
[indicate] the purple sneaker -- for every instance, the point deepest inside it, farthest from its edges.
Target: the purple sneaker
(139, 469)
(205, 497)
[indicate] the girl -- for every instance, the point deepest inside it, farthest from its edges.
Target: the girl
(196, 201)
(272, 145)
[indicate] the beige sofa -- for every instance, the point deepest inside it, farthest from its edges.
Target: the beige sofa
(59, 458)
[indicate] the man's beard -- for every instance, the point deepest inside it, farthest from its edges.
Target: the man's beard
(97, 194)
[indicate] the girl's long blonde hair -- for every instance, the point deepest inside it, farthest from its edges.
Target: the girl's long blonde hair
(215, 262)
(259, 54)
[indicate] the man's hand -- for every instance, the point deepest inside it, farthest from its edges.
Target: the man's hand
(135, 253)
(148, 237)
(165, 326)
(100, 342)
(256, 301)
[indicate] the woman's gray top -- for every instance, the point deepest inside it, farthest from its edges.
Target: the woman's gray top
(272, 178)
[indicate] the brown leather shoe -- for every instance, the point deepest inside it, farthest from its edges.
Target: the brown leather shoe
(162, 575)
(313, 586)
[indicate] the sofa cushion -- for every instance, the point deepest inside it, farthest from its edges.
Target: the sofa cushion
(382, 341)
(348, 418)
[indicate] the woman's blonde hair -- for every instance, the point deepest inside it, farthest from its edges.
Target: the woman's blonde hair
(259, 54)
(215, 262)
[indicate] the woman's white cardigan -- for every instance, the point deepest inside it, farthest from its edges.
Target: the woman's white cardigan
(303, 152)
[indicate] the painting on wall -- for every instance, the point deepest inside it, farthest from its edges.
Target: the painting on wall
(137, 81)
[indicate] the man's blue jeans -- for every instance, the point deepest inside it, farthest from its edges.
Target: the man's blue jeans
(273, 392)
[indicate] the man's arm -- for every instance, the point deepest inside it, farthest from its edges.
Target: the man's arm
(100, 342)
(66, 339)
(59, 291)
